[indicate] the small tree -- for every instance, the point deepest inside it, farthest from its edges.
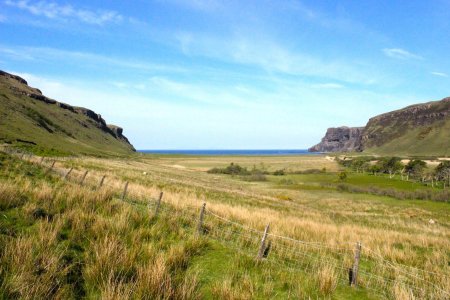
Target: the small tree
(442, 172)
(391, 165)
(416, 168)
(374, 169)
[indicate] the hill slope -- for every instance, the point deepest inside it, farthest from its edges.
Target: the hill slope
(30, 120)
(421, 129)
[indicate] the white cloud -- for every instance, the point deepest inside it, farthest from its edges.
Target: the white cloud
(400, 54)
(53, 10)
(440, 74)
(272, 56)
(202, 5)
(88, 59)
(328, 86)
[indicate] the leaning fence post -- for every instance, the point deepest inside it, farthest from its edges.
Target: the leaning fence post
(124, 193)
(83, 178)
(356, 264)
(262, 247)
(200, 220)
(68, 173)
(158, 204)
(101, 181)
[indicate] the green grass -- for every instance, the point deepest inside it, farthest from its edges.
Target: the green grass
(360, 179)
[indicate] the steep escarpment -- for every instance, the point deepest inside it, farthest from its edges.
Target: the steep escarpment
(340, 139)
(28, 118)
(421, 129)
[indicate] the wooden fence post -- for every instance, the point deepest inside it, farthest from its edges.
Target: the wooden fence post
(158, 204)
(53, 164)
(262, 247)
(68, 173)
(200, 220)
(124, 193)
(356, 264)
(84, 177)
(102, 181)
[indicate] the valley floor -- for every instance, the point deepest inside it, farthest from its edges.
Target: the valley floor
(109, 244)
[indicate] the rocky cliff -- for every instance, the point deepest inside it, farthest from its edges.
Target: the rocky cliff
(340, 139)
(32, 118)
(420, 129)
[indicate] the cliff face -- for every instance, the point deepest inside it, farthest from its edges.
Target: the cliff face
(421, 129)
(32, 118)
(340, 139)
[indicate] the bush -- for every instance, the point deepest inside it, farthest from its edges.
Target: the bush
(342, 176)
(255, 177)
(311, 171)
(232, 169)
(279, 172)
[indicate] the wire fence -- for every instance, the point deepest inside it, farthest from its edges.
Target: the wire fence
(348, 264)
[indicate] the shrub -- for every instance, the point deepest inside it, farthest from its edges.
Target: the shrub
(255, 177)
(232, 169)
(342, 176)
(280, 172)
(311, 171)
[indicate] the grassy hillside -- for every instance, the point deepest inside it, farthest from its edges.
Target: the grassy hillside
(30, 120)
(89, 243)
(418, 141)
(421, 129)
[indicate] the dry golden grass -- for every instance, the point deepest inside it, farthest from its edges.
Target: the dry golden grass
(327, 280)
(308, 216)
(388, 230)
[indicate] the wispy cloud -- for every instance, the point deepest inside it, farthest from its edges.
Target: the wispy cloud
(328, 86)
(86, 58)
(202, 5)
(440, 74)
(272, 56)
(55, 11)
(399, 53)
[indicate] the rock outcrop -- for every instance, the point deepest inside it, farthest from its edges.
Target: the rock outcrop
(340, 139)
(15, 77)
(117, 131)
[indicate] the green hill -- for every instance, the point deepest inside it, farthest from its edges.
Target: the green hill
(421, 129)
(32, 121)
(417, 130)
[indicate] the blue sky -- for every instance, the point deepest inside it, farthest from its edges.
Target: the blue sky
(207, 74)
